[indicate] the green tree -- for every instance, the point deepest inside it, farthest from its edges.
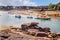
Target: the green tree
(51, 6)
(54, 6)
(58, 6)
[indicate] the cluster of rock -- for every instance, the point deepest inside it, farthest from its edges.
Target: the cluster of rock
(11, 36)
(34, 25)
(29, 28)
(35, 30)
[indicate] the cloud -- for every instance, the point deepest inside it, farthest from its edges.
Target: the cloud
(28, 3)
(17, 3)
(2, 4)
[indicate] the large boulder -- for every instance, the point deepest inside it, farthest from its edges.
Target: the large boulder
(24, 26)
(29, 25)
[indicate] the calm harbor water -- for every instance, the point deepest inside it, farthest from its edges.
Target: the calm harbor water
(10, 20)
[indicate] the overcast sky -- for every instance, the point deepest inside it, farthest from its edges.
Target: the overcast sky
(27, 2)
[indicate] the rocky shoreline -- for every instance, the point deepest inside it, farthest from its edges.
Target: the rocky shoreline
(17, 36)
(14, 33)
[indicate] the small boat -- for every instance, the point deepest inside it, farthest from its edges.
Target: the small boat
(18, 16)
(30, 16)
(43, 17)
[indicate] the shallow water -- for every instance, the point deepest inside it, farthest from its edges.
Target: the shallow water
(10, 20)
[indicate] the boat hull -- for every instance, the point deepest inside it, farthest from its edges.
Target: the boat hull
(30, 17)
(44, 18)
(18, 16)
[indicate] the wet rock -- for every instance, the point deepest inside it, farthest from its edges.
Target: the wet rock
(34, 23)
(2, 38)
(46, 29)
(41, 29)
(4, 35)
(15, 37)
(27, 26)
(58, 34)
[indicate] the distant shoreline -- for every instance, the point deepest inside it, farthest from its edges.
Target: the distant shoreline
(34, 12)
